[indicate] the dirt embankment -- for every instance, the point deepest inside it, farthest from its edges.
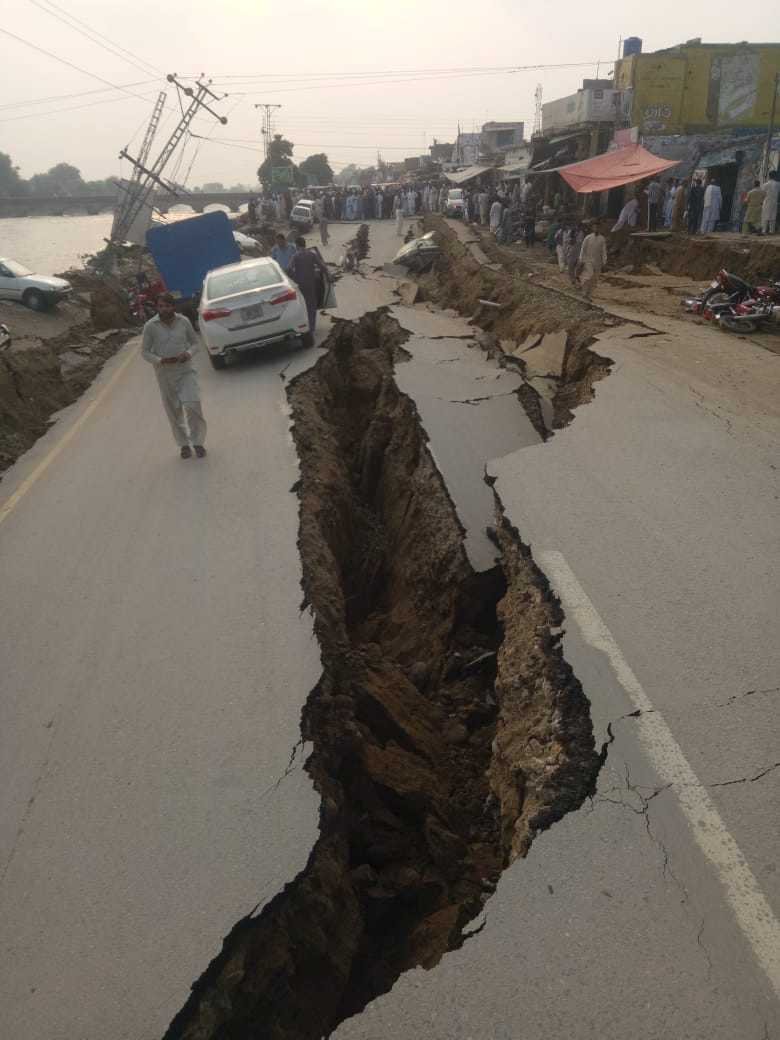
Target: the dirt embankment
(52, 359)
(756, 259)
(446, 727)
(522, 324)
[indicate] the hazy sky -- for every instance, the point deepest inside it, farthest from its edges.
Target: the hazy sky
(325, 62)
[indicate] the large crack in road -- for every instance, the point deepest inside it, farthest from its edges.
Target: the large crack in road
(446, 729)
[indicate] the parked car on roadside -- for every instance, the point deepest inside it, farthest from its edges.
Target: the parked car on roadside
(36, 291)
(303, 215)
(249, 305)
(455, 205)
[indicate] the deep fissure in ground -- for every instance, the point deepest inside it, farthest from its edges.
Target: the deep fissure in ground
(446, 728)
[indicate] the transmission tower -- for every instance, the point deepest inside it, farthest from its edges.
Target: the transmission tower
(538, 110)
(149, 176)
(267, 128)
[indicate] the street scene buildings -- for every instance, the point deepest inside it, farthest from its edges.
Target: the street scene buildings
(390, 544)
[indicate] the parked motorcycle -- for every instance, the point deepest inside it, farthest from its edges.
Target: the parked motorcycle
(737, 289)
(750, 316)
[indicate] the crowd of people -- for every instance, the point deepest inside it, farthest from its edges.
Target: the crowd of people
(696, 206)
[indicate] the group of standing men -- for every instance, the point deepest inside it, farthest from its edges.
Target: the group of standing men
(697, 207)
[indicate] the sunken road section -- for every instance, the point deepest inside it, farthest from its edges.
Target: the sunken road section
(447, 730)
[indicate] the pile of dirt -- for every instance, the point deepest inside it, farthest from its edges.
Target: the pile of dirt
(446, 727)
(501, 298)
(756, 259)
(38, 377)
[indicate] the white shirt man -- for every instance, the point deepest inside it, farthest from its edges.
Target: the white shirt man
(495, 216)
(629, 215)
(712, 203)
(771, 189)
(169, 343)
(593, 259)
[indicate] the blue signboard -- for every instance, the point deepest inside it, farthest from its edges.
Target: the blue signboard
(186, 250)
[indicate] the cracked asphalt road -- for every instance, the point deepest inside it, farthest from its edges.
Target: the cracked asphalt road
(149, 799)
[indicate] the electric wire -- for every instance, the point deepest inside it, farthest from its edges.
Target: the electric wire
(113, 49)
(70, 64)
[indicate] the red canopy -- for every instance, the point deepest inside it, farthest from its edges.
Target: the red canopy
(612, 169)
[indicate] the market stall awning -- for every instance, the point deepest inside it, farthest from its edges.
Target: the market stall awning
(467, 175)
(614, 169)
(513, 170)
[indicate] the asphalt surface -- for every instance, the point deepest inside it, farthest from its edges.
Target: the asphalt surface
(651, 912)
(156, 663)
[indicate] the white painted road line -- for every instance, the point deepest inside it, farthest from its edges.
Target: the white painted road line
(743, 893)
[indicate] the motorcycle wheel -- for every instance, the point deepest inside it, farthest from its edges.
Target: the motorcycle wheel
(733, 325)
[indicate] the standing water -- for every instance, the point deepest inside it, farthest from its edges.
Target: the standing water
(48, 245)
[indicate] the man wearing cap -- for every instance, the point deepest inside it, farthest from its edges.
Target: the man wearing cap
(169, 343)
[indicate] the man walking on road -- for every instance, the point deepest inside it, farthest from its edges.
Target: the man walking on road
(169, 343)
(771, 189)
(593, 259)
(654, 193)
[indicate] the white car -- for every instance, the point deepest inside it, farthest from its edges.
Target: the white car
(455, 204)
(36, 291)
(249, 305)
(245, 242)
(303, 214)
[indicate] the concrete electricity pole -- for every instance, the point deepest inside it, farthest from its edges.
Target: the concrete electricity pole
(770, 133)
(267, 127)
(146, 178)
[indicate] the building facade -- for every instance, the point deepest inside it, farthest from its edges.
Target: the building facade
(699, 87)
(596, 101)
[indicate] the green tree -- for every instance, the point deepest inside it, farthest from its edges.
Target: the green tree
(61, 180)
(10, 181)
(317, 169)
(279, 154)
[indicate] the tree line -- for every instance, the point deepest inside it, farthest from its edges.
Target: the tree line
(61, 180)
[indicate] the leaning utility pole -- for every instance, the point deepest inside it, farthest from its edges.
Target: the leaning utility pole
(150, 176)
(267, 127)
(771, 131)
(130, 189)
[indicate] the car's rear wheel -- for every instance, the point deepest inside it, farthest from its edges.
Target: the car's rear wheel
(35, 300)
(218, 361)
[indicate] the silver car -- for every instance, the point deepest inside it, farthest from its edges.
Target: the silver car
(36, 291)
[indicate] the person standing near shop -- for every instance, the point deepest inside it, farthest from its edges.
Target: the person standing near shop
(654, 193)
(713, 200)
(754, 201)
(771, 189)
(695, 204)
(593, 260)
(169, 344)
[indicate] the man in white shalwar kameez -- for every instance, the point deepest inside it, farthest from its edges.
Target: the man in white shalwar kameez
(771, 189)
(495, 216)
(593, 260)
(629, 215)
(712, 203)
(169, 343)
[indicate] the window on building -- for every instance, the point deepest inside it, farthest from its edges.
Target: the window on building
(504, 138)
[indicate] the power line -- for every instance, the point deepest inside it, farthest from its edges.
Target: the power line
(75, 108)
(70, 64)
(135, 58)
(77, 94)
(50, 8)
(405, 72)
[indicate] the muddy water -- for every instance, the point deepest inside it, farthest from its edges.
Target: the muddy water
(51, 244)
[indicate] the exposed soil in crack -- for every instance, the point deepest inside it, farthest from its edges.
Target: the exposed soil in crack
(459, 280)
(447, 729)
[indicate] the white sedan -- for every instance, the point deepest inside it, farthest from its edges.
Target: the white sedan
(36, 291)
(249, 305)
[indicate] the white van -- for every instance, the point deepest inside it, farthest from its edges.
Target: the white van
(303, 214)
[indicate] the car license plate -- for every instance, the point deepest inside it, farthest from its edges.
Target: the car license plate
(247, 313)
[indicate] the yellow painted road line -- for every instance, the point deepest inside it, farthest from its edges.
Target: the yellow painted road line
(13, 501)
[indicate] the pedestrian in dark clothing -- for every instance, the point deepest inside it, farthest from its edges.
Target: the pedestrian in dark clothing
(308, 272)
(695, 206)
